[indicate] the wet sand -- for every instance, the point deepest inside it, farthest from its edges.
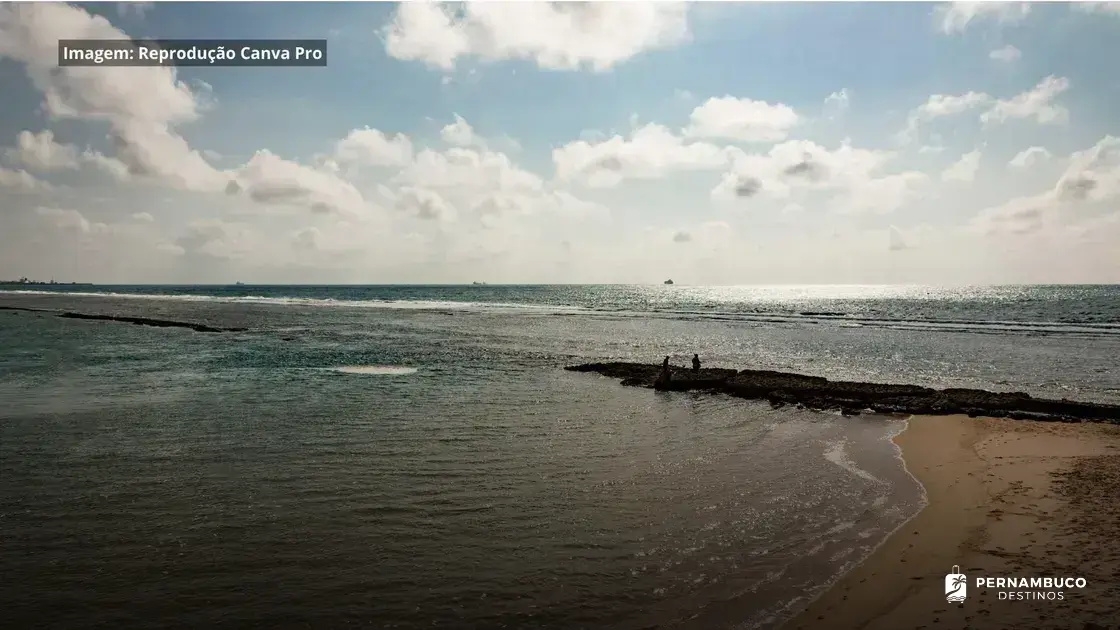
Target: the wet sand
(1010, 498)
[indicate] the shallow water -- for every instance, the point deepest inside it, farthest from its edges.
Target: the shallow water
(162, 477)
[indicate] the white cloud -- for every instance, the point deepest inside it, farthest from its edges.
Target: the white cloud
(1098, 7)
(271, 180)
(741, 119)
(372, 147)
(956, 17)
(134, 8)
(460, 133)
(964, 169)
(1019, 216)
(467, 169)
(1093, 175)
(141, 105)
(556, 36)
(651, 152)
(20, 180)
(939, 106)
(837, 102)
(855, 178)
(1029, 157)
(143, 217)
(1006, 54)
(1034, 103)
(69, 220)
(424, 204)
(40, 152)
(114, 167)
(214, 238)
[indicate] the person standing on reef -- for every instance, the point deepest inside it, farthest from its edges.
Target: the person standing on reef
(696, 363)
(662, 381)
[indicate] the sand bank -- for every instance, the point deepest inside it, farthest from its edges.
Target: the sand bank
(1008, 498)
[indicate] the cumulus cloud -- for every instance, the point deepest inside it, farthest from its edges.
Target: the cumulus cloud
(271, 180)
(112, 166)
(1098, 7)
(1093, 175)
(460, 133)
(140, 105)
(1007, 54)
(837, 103)
(741, 119)
(856, 178)
(964, 169)
(1036, 103)
(40, 152)
(1019, 216)
(555, 36)
(71, 220)
(143, 217)
(373, 148)
(1029, 157)
(137, 9)
(20, 181)
(467, 169)
(957, 17)
(939, 106)
(651, 151)
(424, 204)
(213, 238)
(307, 239)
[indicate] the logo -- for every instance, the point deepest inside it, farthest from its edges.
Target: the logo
(956, 586)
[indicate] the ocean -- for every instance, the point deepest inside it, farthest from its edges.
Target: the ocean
(416, 457)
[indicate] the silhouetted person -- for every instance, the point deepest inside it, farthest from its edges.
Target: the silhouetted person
(666, 375)
(696, 363)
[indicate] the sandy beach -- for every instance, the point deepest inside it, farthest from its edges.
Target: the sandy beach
(1006, 498)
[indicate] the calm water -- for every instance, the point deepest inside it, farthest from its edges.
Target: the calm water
(414, 457)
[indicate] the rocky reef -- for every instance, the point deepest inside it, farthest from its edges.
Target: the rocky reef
(140, 321)
(852, 397)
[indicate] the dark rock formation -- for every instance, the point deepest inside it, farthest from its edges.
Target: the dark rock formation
(849, 397)
(140, 321)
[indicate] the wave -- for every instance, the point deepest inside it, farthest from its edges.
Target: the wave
(420, 305)
(796, 318)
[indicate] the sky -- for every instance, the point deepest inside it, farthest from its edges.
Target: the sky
(531, 142)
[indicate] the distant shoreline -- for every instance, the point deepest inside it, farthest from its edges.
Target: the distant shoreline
(17, 283)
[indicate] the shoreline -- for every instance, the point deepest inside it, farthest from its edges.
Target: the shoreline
(1003, 498)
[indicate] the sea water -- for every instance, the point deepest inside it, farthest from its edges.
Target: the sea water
(415, 456)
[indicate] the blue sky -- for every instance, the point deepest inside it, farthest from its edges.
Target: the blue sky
(870, 142)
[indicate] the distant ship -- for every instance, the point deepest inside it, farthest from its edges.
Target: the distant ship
(669, 281)
(478, 283)
(239, 284)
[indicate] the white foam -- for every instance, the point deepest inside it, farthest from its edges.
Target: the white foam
(838, 454)
(424, 305)
(377, 370)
